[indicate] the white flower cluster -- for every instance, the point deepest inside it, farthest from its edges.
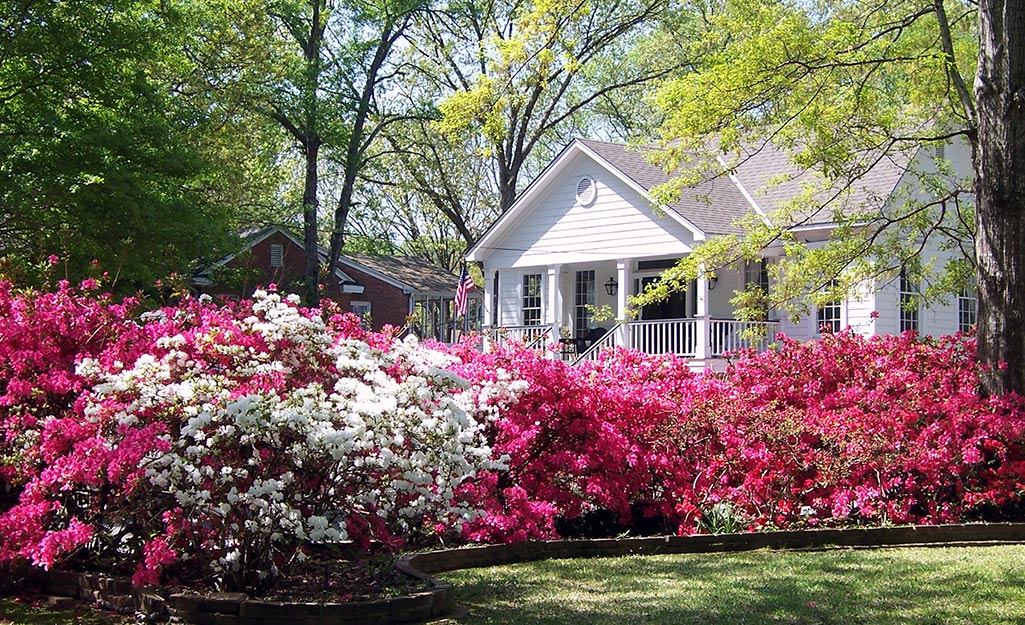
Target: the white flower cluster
(290, 463)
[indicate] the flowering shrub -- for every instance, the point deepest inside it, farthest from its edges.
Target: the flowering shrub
(201, 441)
(846, 430)
(581, 437)
(223, 439)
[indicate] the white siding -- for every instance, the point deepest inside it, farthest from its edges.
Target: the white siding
(510, 286)
(728, 282)
(937, 319)
(940, 317)
(620, 223)
(859, 309)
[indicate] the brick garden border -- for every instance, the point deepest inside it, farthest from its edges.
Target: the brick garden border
(239, 609)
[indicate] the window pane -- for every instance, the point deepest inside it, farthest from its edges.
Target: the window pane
(909, 300)
(531, 299)
(583, 298)
(967, 309)
(828, 314)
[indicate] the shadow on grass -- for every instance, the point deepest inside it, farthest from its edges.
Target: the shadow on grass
(978, 585)
(15, 611)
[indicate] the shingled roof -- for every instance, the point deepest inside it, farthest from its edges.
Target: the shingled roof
(773, 180)
(416, 273)
(712, 205)
(766, 173)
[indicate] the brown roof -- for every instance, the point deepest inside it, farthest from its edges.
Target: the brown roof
(712, 205)
(766, 173)
(773, 180)
(417, 273)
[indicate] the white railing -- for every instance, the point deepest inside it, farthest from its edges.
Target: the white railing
(534, 337)
(606, 342)
(727, 335)
(664, 336)
(689, 338)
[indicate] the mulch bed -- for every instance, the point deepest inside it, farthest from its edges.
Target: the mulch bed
(323, 579)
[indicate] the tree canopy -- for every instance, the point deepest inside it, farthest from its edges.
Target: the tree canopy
(844, 85)
(100, 157)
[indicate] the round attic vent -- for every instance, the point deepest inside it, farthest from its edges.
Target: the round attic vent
(586, 190)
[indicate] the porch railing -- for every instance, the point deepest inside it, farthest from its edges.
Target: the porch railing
(664, 336)
(727, 335)
(689, 338)
(606, 342)
(683, 337)
(533, 337)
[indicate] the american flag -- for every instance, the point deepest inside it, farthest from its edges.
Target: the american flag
(465, 285)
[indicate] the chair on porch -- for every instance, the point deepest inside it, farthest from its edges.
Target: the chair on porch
(593, 335)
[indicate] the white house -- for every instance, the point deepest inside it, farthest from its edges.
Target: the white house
(587, 233)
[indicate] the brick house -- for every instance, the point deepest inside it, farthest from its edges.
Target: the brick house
(385, 290)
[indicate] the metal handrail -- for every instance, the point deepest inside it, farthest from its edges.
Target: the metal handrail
(605, 342)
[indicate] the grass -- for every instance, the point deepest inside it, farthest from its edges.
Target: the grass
(15, 611)
(977, 585)
(938, 586)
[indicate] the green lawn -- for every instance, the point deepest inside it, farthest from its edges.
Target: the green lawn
(27, 612)
(937, 586)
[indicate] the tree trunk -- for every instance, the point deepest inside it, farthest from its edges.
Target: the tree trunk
(311, 145)
(1000, 195)
(311, 275)
(507, 175)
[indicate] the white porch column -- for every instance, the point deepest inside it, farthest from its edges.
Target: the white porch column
(489, 298)
(490, 288)
(702, 345)
(554, 303)
(623, 277)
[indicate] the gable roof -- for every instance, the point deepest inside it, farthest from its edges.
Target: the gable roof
(764, 179)
(711, 205)
(410, 273)
(631, 168)
(253, 236)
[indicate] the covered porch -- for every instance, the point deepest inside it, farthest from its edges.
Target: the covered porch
(575, 311)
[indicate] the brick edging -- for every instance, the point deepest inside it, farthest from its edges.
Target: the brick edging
(911, 535)
(161, 604)
(237, 608)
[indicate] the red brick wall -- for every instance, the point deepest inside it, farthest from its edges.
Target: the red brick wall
(254, 271)
(388, 304)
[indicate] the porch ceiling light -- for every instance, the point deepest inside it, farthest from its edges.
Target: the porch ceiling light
(712, 281)
(611, 286)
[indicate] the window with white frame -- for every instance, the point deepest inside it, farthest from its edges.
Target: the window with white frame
(828, 314)
(583, 299)
(967, 308)
(910, 298)
(361, 310)
(756, 273)
(277, 255)
(531, 301)
(756, 276)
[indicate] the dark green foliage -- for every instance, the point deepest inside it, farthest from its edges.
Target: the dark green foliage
(96, 148)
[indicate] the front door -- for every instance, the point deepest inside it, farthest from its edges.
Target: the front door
(675, 307)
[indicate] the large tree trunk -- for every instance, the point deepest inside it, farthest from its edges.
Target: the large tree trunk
(311, 148)
(1000, 194)
(311, 276)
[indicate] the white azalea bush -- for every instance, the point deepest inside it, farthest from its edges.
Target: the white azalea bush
(240, 436)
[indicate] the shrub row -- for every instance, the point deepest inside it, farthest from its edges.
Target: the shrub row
(221, 443)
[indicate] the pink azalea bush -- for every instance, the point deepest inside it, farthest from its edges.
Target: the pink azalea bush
(844, 431)
(221, 441)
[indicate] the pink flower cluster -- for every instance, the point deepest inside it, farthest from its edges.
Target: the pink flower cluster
(222, 442)
(219, 442)
(847, 430)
